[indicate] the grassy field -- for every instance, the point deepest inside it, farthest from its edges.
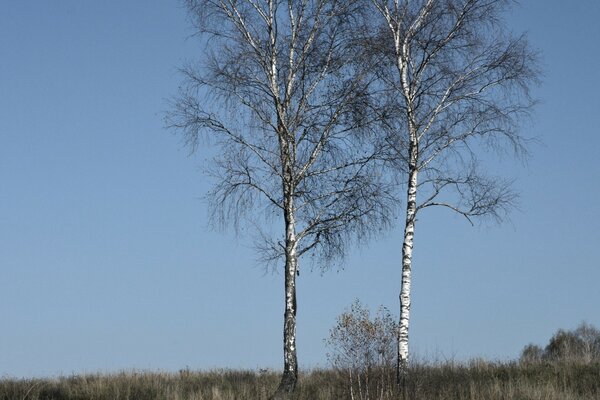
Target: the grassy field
(474, 381)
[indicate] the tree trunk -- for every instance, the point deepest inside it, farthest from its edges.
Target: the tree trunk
(411, 211)
(289, 377)
(407, 246)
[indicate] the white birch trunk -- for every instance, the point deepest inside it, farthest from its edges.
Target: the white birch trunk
(407, 247)
(290, 373)
(411, 211)
(289, 378)
(290, 365)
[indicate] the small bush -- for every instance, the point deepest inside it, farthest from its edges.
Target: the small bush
(531, 354)
(364, 350)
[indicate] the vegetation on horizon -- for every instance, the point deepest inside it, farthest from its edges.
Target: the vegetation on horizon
(362, 368)
(447, 381)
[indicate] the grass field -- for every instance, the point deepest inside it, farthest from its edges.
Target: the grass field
(473, 381)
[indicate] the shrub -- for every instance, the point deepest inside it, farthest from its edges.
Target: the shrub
(364, 349)
(531, 354)
(564, 346)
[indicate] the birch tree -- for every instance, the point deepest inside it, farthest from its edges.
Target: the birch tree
(453, 83)
(278, 96)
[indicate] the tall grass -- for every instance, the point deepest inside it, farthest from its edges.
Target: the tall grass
(448, 381)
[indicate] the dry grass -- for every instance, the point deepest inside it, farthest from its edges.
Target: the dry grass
(449, 381)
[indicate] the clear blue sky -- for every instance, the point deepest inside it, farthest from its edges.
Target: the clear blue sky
(106, 261)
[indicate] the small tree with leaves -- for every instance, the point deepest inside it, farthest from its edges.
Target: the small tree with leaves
(277, 93)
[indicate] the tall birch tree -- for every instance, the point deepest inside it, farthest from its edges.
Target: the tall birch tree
(453, 82)
(278, 95)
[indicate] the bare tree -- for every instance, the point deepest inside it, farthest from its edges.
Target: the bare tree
(453, 83)
(277, 93)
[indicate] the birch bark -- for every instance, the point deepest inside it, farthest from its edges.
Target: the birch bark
(290, 368)
(404, 55)
(289, 377)
(407, 246)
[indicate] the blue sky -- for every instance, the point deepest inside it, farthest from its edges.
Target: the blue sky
(106, 260)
